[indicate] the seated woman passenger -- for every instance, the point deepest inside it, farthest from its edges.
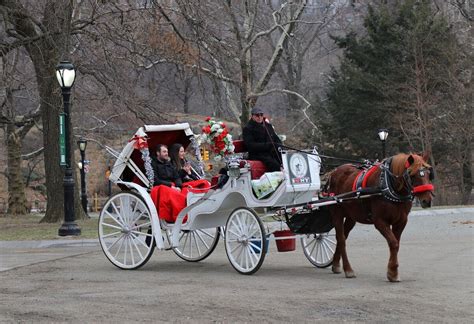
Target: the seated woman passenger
(189, 176)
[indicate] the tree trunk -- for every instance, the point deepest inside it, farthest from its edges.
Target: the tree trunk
(45, 53)
(16, 185)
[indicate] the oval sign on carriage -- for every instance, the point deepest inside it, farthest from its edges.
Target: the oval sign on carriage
(301, 170)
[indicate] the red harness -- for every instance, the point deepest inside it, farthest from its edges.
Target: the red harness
(365, 174)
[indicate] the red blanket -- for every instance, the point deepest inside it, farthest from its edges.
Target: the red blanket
(169, 202)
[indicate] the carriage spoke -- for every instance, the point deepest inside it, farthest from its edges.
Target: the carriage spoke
(247, 257)
(115, 219)
(197, 244)
(116, 210)
(113, 226)
(235, 248)
(254, 232)
(206, 233)
(125, 207)
(256, 247)
(120, 246)
(142, 233)
(186, 235)
(318, 252)
(312, 250)
(253, 255)
(232, 232)
(138, 250)
(126, 250)
(131, 250)
(309, 243)
(241, 227)
(111, 234)
(137, 218)
(323, 246)
(202, 240)
(116, 241)
(237, 227)
(141, 225)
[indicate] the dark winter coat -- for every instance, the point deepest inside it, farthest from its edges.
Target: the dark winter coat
(262, 144)
(165, 174)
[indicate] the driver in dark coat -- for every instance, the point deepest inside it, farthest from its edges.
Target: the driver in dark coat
(261, 141)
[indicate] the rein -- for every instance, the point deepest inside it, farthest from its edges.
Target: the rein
(367, 162)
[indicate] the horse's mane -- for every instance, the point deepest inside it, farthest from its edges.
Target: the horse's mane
(399, 161)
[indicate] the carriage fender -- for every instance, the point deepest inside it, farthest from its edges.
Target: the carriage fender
(155, 223)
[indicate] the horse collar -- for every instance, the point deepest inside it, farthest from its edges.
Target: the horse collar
(387, 184)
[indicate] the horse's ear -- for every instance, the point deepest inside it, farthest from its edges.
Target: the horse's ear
(409, 161)
(426, 156)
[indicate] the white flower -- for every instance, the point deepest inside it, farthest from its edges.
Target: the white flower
(220, 131)
(202, 138)
(215, 127)
(229, 137)
(231, 148)
(217, 158)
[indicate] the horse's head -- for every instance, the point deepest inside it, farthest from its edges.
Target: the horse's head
(421, 175)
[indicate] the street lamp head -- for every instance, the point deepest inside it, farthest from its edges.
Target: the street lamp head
(383, 134)
(66, 74)
(82, 143)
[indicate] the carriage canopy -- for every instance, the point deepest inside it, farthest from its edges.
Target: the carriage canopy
(129, 163)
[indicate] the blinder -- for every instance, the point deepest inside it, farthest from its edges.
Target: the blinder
(432, 175)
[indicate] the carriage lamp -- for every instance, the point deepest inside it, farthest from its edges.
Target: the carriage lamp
(66, 74)
(383, 134)
(234, 169)
(82, 144)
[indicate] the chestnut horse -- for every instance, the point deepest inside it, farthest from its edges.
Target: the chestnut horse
(397, 180)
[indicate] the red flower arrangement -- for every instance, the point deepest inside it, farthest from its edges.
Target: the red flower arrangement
(218, 137)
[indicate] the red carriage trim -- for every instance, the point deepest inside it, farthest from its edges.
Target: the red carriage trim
(140, 142)
(423, 188)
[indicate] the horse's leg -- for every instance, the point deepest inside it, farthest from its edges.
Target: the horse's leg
(337, 220)
(341, 245)
(392, 268)
(349, 224)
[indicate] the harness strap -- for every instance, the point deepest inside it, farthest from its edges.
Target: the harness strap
(386, 184)
(362, 177)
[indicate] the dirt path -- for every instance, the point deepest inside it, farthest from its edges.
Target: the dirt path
(436, 264)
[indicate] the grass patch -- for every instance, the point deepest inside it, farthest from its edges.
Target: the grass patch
(27, 227)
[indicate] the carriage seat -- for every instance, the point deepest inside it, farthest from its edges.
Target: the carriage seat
(257, 168)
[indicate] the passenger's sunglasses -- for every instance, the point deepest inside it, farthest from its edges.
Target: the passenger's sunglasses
(258, 115)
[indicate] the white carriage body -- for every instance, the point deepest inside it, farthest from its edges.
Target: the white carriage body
(211, 209)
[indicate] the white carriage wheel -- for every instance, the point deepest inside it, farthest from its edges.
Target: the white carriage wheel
(245, 241)
(125, 232)
(319, 248)
(196, 245)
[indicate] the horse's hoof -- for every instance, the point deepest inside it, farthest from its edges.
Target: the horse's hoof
(336, 269)
(350, 274)
(393, 278)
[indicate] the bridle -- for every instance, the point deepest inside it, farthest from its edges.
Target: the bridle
(387, 183)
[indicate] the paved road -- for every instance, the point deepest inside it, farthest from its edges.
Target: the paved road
(74, 282)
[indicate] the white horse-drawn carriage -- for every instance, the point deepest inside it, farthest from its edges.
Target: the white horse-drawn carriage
(130, 227)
